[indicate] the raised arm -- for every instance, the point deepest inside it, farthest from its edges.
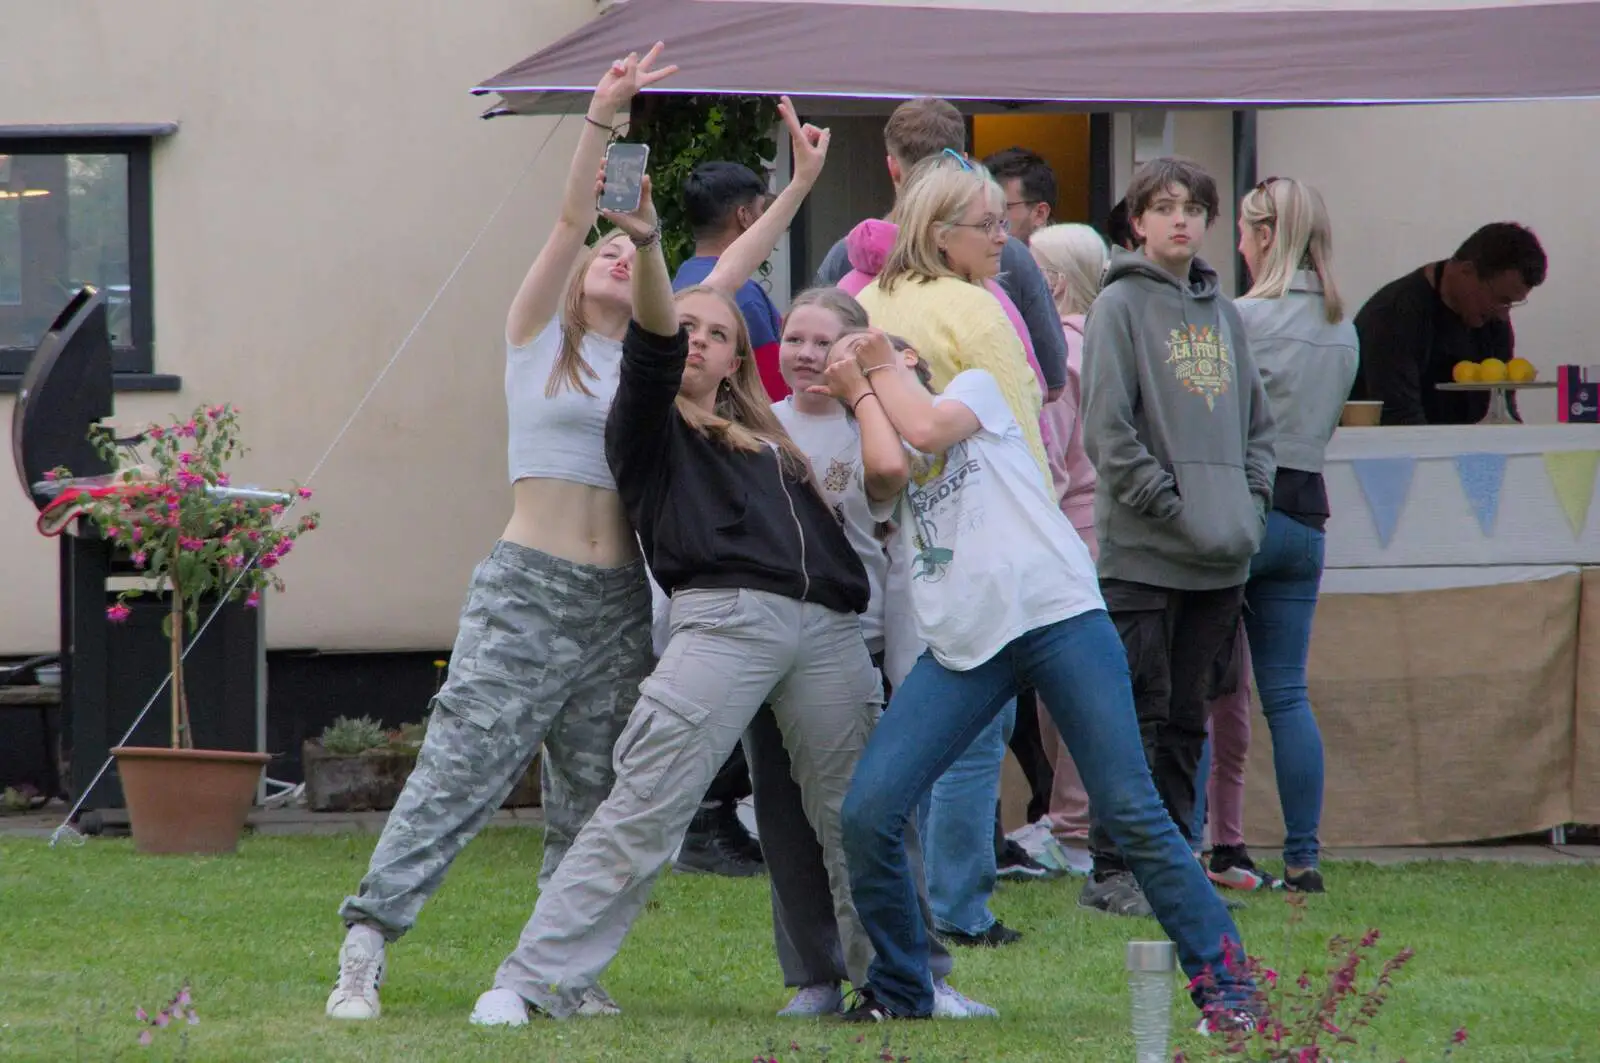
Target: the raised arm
(883, 458)
(1030, 292)
(928, 426)
(809, 147)
(540, 294)
(653, 354)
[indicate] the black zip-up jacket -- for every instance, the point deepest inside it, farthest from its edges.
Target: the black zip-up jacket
(709, 516)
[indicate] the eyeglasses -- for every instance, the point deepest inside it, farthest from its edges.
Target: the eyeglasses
(1268, 183)
(1023, 203)
(990, 226)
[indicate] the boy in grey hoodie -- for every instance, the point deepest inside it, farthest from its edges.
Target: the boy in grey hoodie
(1176, 423)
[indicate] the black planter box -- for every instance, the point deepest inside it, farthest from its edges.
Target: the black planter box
(110, 670)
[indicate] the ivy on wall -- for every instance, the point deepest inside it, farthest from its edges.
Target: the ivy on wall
(685, 131)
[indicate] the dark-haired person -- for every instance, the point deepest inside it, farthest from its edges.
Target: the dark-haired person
(1176, 423)
(1030, 188)
(1119, 231)
(722, 200)
(1414, 330)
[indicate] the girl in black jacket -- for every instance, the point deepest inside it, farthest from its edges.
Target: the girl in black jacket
(766, 593)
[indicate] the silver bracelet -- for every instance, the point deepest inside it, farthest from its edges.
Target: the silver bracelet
(649, 238)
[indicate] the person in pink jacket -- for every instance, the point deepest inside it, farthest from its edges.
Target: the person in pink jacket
(1073, 258)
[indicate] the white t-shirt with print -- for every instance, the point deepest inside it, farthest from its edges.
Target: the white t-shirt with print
(991, 556)
(833, 443)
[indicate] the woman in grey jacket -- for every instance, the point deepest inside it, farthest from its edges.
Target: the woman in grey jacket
(1307, 355)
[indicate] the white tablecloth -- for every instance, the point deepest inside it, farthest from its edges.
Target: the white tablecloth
(1437, 523)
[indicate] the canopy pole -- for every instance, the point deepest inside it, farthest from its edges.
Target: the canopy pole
(1244, 182)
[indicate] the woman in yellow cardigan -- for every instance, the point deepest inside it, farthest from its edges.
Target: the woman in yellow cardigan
(952, 228)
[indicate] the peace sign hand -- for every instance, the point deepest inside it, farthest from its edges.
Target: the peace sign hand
(807, 144)
(628, 76)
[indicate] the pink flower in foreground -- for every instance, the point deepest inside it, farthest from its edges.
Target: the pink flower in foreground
(252, 599)
(186, 542)
(304, 492)
(118, 613)
(50, 474)
(145, 1039)
(139, 558)
(1460, 1036)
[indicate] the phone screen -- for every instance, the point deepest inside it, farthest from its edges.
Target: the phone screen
(625, 168)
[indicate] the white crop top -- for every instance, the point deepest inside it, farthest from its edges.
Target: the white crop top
(560, 437)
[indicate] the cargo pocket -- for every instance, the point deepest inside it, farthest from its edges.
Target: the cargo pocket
(658, 743)
(497, 663)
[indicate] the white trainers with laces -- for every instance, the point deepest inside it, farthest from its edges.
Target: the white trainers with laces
(500, 1007)
(812, 1001)
(951, 1003)
(361, 965)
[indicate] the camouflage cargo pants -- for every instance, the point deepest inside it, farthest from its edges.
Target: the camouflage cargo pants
(729, 651)
(548, 653)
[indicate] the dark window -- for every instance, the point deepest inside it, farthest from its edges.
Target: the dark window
(75, 211)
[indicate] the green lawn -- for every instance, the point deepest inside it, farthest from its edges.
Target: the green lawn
(89, 934)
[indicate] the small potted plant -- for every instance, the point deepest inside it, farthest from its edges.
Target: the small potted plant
(196, 546)
(358, 766)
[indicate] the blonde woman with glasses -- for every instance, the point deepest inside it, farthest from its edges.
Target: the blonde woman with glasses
(1306, 350)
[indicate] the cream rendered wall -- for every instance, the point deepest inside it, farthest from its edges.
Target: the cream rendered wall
(1406, 185)
(329, 171)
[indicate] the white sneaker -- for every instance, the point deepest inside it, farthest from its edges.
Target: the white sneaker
(1031, 837)
(597, 1001)
(813, 1000)
(361, 964)
(951, 1003)
(500, 1007)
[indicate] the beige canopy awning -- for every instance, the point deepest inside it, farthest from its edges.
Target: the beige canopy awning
(1017, 54)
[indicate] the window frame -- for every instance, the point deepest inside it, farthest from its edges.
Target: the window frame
(133, 364)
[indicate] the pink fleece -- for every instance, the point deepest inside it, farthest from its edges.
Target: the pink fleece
(868, 247)
(1070, 467)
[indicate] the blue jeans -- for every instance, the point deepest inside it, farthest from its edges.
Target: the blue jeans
(956, 820)
(1080, 669)
(1280, 602)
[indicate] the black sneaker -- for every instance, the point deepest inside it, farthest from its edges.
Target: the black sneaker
(997, 935)
(1115, 893)
(1017, 865)
(863, 1006)
(708, 851)
(1231, 867)
(732, 829)
(1307, 881)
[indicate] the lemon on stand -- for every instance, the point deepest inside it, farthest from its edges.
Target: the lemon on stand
(1521, 371)
(1465, 373)
(1491, 371)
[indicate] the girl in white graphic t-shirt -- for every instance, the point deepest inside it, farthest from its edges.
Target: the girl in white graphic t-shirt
(805, 929)
(1005, 596)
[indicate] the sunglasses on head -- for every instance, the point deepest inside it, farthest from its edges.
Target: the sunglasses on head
(962, 159)
(1268, 183)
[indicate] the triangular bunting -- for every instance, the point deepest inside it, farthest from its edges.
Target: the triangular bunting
(1385, 482)
(1572, 477)
(1481, 476)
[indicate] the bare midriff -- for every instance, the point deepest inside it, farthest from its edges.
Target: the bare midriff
(575, 522)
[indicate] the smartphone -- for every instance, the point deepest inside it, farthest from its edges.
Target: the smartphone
(625, 167)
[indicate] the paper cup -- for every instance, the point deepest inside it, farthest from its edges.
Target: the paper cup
(1362, 414)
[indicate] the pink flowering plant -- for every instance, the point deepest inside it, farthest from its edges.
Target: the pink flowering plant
(1319, 1017)
(180, 535)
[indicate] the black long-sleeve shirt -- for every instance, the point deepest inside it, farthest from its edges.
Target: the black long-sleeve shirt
(1410, 341)
(710, 516)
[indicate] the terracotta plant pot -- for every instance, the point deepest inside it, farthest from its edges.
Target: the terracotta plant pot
(191, 801)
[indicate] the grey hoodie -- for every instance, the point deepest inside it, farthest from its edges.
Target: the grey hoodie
(1176, 422)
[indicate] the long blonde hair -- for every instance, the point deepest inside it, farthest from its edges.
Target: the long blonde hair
(1302, 239)
(1074, 258)
(571, 368)
(933, 197)
(743, 419)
